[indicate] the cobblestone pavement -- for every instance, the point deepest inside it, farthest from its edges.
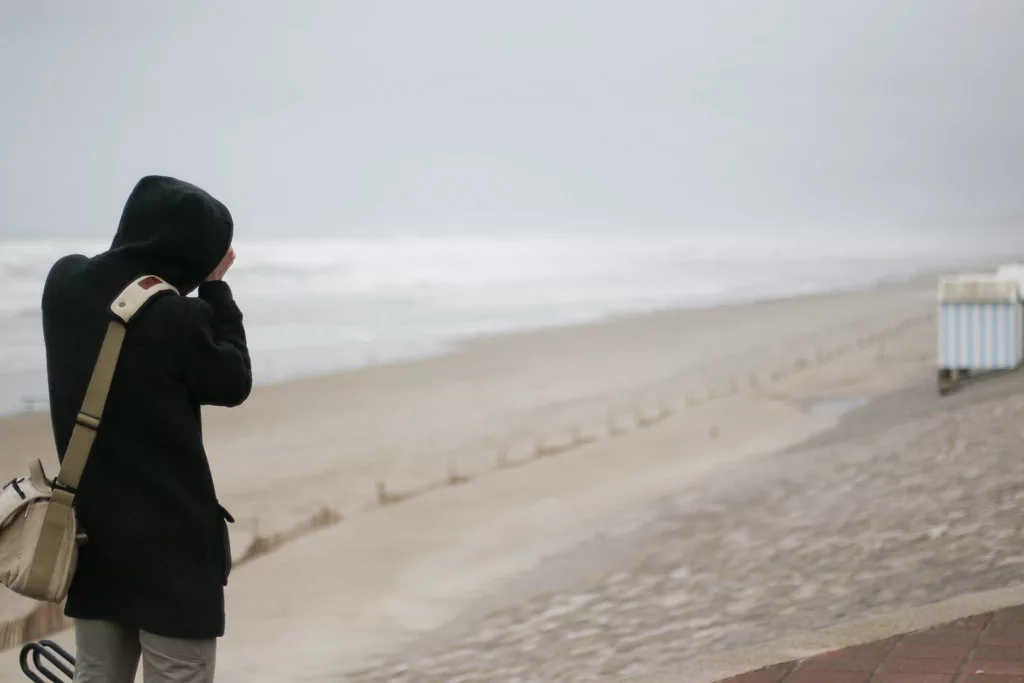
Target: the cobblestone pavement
(897, 517)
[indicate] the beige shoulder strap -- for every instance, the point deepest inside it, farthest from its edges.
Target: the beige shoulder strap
(126, 305)
(59, 515)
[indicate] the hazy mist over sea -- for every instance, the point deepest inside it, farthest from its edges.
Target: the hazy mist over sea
(531, 117)
(420, 172)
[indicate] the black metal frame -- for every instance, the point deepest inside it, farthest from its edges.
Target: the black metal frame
(58, 657)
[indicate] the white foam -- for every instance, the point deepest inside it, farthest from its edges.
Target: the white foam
(315, 306)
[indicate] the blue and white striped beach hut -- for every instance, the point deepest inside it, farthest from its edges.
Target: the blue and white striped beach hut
(980, 325)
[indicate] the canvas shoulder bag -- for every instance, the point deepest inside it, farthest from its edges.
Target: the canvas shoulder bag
(39, 534)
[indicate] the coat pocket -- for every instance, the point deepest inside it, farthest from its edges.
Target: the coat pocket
(226, 519)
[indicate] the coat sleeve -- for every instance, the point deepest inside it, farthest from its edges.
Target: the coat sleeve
(216, 366)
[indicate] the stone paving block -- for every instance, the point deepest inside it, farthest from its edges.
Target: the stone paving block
(995, 666)
(1001, 639)
(999, 652)
(773, 674)
(942, 638)
(877, 650)
(862, 664)
(829, 677)
(922, 666)
(1011, 633)
(1013, 614)
(913, 678)
(937, 651)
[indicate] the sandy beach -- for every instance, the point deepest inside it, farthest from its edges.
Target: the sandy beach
(590, 342)
(910, 502)
(443, 487)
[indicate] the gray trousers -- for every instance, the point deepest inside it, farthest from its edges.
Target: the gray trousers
(109, 653)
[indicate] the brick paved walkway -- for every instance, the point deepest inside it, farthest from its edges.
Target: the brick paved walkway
(985, 649)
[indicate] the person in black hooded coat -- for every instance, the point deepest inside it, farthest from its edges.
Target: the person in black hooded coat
(157, 556)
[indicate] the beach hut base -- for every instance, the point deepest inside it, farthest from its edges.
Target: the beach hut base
(949, 380)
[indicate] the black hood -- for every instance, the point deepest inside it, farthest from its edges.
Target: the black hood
(172, 229)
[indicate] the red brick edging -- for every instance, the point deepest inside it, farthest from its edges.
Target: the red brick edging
(983, 649)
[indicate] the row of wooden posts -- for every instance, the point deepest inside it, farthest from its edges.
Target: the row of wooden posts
(650, 413)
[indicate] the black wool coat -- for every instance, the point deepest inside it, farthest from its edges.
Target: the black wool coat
(157, 555)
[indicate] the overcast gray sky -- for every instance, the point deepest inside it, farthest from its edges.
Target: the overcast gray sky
(336, 118)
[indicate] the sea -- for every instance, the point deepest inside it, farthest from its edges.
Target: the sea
(315, 306)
